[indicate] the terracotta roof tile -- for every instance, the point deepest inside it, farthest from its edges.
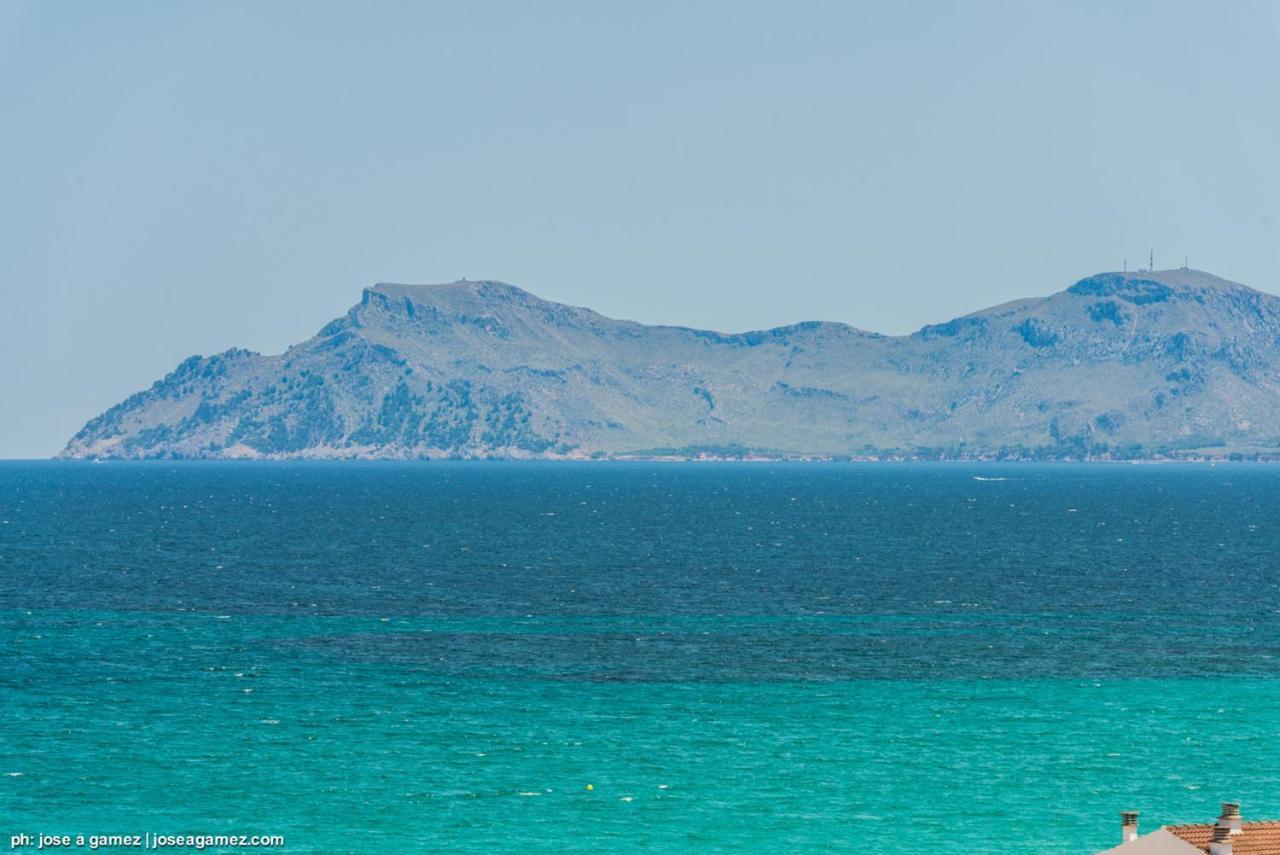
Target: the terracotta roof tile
(1259, 838)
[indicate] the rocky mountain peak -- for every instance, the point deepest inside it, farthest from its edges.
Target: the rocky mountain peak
(1152, 286)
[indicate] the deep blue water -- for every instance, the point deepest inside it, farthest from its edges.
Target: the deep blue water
(400, 657)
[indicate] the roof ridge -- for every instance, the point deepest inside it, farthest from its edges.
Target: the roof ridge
(1246, 823)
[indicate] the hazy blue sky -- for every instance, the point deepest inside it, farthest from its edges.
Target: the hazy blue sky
(181, 178)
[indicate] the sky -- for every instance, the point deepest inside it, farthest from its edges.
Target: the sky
(182, 177)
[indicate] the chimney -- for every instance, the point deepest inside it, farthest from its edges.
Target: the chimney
(1128, 826)
(1220, 843)
(1230, 819)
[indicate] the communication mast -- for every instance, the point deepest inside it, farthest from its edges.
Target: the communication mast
(1151, 264)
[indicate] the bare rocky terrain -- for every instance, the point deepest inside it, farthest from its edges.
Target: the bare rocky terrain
(1143, 365)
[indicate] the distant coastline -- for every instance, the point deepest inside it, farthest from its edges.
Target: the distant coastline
(1170, 459)
(1175, 365)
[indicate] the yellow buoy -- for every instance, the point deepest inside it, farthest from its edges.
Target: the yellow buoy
(590, 787)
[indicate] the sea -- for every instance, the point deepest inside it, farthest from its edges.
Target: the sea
(486, 657)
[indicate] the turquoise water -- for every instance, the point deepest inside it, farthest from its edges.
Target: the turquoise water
(736, 658)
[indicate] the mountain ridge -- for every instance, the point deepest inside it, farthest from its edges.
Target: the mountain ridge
(1142, 365)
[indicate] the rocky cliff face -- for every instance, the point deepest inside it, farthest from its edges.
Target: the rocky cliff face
(1149, 364)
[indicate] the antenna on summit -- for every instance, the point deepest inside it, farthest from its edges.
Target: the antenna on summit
(1151, 264)
(1185, 266)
